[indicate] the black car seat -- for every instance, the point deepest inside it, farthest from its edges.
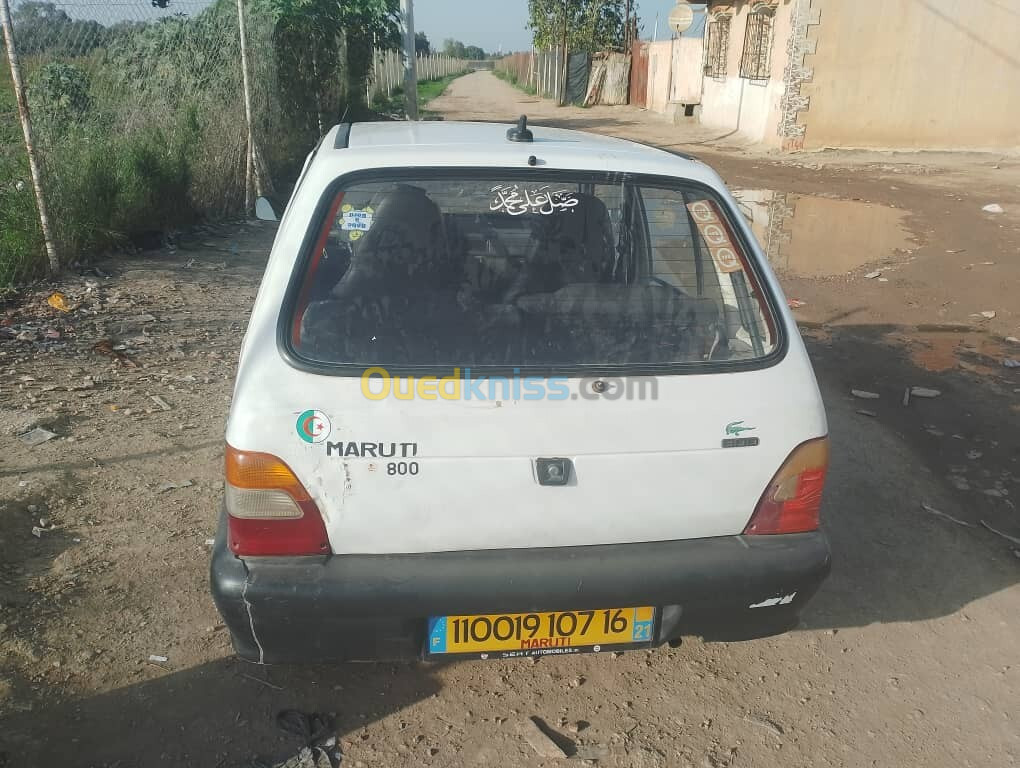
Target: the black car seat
(572, 245)
(404, 251)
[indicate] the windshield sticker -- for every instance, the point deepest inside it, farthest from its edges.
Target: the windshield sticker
(511, 199)
(709, 224)
(357, 221)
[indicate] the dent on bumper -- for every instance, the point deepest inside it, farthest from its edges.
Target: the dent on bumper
(375, 606)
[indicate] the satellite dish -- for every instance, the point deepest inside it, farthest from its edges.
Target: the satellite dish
(681, 18)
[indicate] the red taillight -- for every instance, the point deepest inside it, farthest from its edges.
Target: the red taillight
(792, 500)
(269, 512)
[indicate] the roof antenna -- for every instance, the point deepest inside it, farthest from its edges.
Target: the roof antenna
(521, 132)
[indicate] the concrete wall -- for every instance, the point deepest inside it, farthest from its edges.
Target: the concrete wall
(674, 73)
(913, 73)
(688, 69)
(749, 109)
(660, 57)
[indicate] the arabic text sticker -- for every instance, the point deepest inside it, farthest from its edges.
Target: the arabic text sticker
(515, 201)
(356, 220)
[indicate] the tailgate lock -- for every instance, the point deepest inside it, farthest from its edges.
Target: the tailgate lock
(553, 471)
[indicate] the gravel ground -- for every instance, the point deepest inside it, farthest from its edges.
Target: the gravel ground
(907, 656)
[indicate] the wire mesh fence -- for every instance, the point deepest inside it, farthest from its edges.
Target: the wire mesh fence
(388, 72)
(541, 72)
(138, 117)
(138, 111)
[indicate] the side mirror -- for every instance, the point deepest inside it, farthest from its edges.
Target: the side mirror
(264, 210)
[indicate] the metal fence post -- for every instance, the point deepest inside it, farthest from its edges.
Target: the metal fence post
(249, 172)
(26, 129)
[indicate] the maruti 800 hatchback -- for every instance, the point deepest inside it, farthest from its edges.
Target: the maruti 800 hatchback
(515, 392)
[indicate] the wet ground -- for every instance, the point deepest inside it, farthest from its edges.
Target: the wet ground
(908, 655)
(813, 236)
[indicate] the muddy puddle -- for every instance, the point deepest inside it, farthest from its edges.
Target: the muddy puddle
(815, 236)
(975, 352)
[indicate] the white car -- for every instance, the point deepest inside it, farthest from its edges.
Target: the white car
(515, 392)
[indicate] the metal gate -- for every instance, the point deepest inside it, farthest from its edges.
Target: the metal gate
(639, 74)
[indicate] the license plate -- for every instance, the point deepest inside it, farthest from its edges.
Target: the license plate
(510, 635)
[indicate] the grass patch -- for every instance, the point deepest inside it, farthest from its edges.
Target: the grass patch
(433, 89)
(427, 91)
(509, 77)
(22, 254)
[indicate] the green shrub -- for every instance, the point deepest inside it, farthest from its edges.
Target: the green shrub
(21, 245)
(59, 95)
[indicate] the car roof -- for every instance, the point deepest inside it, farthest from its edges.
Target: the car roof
(434, 142)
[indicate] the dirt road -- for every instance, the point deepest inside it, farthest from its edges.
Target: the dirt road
(908, 656)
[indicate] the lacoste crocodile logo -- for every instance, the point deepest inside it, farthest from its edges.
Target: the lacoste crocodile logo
(735, 428)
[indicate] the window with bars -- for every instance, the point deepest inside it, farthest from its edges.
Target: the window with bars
(756, 60)
(717, 46)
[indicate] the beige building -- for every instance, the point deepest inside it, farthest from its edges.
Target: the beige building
(793, 74)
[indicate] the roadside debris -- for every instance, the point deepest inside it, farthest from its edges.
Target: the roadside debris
(318, 732)
(263, 682)
(864, 412)
(37, 436)
(924, 392)
(157, 659)
(1006, 536)
(764, 722)
(932, 510)
(872, 275)
(974, 455)
(163, 405)
(106, 347)
(796, 303)
(172, 486)
(307, 758)
(992, 208)
(864, 394)
(592, 752)
(1011, 363)
(539, 740)
(906, 397)
(58, 301)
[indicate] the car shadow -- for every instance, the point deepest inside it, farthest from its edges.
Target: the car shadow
(222, 713)
(893, 559)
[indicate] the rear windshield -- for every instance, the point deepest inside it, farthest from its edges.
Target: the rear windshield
(555, 274)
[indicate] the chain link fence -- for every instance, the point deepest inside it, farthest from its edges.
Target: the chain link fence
(139, 120)
(388, 72)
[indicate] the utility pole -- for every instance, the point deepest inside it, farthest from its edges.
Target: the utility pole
(26, 129)
(410, 73)
(251, 174)
(626, 28)
(562, 95)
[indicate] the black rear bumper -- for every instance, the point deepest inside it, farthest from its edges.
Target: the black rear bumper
(343, 607)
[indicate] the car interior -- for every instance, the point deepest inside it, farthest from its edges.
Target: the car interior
(459, 284)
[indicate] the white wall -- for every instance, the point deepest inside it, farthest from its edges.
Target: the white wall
(747, 108)
(688, 72)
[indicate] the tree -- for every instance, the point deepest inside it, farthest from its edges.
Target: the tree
(422, 46)
(457, 50)
(42, 27)
(591, 25)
